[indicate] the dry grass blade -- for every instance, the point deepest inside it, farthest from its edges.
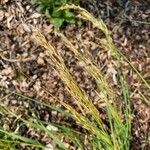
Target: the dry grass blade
(88, 63)
(76, 92)
(94, 71)
(85, 123)
(84, 14)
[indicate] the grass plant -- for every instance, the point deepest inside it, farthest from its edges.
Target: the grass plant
(97, 136)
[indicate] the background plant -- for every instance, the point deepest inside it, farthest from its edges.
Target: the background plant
(57, 17)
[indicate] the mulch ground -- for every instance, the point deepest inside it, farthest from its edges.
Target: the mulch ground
(23, 67)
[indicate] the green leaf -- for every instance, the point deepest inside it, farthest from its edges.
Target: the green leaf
(57, 14)
(60, 2)
(70, 20)
(47, 13)
(63, 1)
(57, 22)
(68, 14)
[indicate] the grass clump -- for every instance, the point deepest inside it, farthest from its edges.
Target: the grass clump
(98, 136)
(117, 135)
(120, 131)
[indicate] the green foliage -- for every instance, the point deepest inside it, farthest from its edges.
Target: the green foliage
(51, 9)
